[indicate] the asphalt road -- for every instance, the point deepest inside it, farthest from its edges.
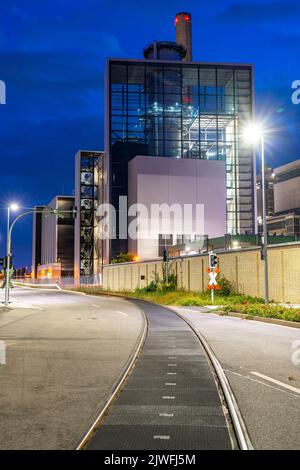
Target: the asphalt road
(257, 359)
(64, 353)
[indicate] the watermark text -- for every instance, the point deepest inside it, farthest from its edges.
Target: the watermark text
(2, 92)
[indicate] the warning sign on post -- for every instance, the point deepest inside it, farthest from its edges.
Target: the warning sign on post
(213, 283)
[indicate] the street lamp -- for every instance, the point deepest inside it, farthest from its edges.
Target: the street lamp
(30, 210)
(12, 207)
(254, 134)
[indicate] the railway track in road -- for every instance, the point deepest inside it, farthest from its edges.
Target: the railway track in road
(173, 395)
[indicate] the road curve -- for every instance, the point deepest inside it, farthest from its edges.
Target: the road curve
(170, 400)
(64, 354)
(261, 362)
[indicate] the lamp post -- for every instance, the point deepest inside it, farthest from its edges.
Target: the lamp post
(11, 207)
(254, 134)
(14, 207)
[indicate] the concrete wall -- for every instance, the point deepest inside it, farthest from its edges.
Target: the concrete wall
(175, 182)
(244, 268)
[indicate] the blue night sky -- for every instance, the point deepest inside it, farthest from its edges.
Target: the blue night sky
(52, 57)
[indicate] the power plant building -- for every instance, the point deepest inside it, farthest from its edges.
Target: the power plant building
(168, 106)
(173, 136)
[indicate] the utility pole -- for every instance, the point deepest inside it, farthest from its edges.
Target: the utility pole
(265, 226)
(9, 232)
(8, 254)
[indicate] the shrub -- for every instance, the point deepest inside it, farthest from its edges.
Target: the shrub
(124, 258)
(261, 310)
(168, 281)
(227, 288)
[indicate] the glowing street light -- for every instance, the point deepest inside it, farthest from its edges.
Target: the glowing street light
(254, 134)
(14, 207)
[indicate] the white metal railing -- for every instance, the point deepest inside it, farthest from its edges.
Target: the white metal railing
(63, 282)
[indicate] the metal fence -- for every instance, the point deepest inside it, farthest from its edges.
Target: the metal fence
(63, 282)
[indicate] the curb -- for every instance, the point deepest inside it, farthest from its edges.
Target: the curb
(238, 423)
(243, 316)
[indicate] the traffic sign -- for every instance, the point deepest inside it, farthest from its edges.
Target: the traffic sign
(213, 283)
(213, 272)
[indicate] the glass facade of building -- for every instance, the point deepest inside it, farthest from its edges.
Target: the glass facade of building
(183, 110)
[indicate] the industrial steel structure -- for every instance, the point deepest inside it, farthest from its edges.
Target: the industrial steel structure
(88, 195)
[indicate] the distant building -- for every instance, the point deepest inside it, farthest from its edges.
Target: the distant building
(88, 195)
(36, 240)
(53, 238)
(287, 187)
(282, 198)
(284, 224)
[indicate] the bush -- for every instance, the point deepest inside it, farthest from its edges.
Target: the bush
(124, 258)
(152, 287)
(261, 310)
(227, 288)
(168, 281)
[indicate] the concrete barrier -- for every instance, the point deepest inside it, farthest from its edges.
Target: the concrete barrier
(244, 268)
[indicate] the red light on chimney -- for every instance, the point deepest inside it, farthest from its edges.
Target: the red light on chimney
(187, 18)
(176, 20)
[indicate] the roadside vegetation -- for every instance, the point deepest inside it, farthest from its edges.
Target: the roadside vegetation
(125, 258)
(272, 310)
(163, 290)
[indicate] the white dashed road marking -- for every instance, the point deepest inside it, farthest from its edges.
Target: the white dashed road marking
(277, 382)
(121, 313)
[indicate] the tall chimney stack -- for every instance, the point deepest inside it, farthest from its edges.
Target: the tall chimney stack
(183, 26)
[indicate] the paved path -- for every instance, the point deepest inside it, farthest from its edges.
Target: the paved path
(64, 353)
(170, 401)
(257, 359)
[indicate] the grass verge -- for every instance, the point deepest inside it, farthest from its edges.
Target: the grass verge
(178, 297)
(239, 303)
